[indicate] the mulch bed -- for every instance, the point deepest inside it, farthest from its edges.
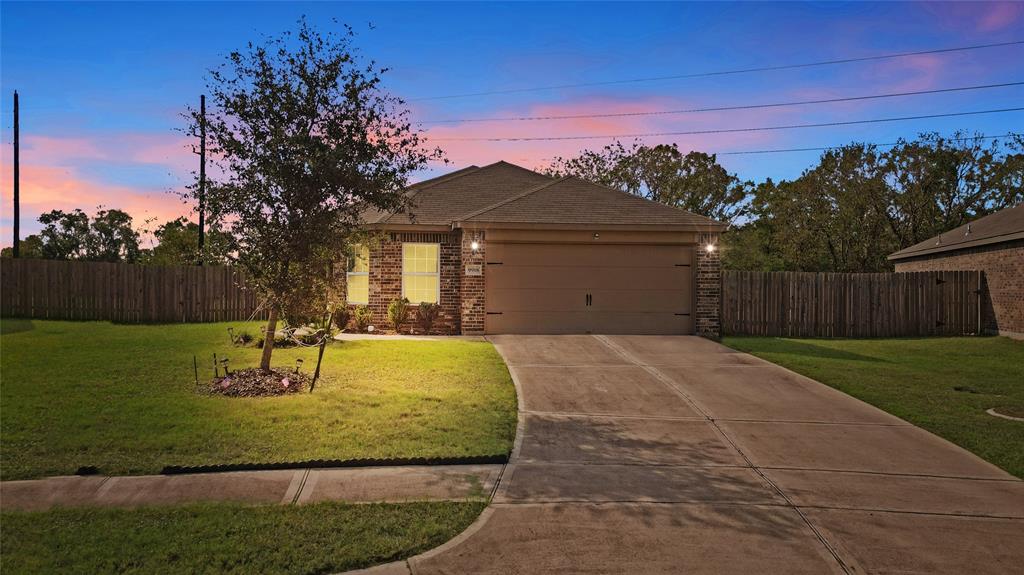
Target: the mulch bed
(254, 382)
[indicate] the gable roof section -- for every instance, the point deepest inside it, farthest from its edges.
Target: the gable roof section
(443, 200)
(1002, 226)
(573, 201)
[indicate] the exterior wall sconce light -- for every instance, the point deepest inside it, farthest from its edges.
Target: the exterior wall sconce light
(710, 248)
(597, 236)
(474, 245)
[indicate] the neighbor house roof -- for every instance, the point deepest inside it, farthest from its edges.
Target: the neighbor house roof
(506, 194)
(1002, 226)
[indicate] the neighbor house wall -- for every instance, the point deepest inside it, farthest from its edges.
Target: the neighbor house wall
(1002, 284)
(708, 292)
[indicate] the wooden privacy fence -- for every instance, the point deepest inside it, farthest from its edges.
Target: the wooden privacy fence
(803, 304)
(51, 289)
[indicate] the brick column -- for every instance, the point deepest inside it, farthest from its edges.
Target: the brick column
(472, 292)
(708, 316)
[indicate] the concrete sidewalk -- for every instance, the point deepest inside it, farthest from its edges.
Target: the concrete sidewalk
(362, 484)
(648, 454)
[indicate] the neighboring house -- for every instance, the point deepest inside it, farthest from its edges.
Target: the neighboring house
(504, 249)
(993, 244)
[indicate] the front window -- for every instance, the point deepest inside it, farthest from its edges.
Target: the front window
(421, 280)
(358, 276)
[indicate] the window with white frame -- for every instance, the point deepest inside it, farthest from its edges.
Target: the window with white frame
(421, 278)
(357, 279)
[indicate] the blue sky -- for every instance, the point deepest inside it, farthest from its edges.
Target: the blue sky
(102, 84)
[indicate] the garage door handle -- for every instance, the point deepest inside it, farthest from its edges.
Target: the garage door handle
(590, 299)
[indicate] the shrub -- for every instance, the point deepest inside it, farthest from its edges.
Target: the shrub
(398, 312)
(363, 316)
(427, 315)
(244, 338)
(341, 317)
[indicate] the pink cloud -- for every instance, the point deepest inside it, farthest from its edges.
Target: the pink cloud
(539, 153)
(45, 188)
(999, 15)
(53, 177)
(977, 16)
(918, 72)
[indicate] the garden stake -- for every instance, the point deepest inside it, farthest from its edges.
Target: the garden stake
(195, 366)
(215, 374)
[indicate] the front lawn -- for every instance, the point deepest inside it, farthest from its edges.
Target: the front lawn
(122, 398)
(941, 384)
(227, 538)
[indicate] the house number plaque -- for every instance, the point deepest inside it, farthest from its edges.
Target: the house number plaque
(474, 269)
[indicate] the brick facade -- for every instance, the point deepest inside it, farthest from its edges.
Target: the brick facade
(462, 296)
(1002, 285)
(385, 278)
(708, 280)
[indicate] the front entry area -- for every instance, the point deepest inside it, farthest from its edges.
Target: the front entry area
(567, 288)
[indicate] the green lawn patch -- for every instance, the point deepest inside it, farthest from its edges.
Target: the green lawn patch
(942, 384)
(227, 538)
(122, 398)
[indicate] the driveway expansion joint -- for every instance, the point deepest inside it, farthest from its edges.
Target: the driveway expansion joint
(660, 376)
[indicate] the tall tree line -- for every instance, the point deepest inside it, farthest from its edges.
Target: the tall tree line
(847, 213)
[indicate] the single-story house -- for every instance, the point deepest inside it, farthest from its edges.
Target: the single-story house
(993, 244)
(504, 249)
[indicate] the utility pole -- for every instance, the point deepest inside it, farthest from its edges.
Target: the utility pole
(202, 176)
(16, 248)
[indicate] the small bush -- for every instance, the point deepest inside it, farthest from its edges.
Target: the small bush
(427, 314)
(363, 316)
(398, 312)
(341, 317)
(244, 338)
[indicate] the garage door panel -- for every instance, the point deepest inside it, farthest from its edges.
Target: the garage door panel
(640, 323)
(649, 300)
(537, 322)
(533, 277)
(584, 255)
(540, 299)
(634, 289)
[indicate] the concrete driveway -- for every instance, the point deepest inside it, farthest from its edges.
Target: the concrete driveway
(655, 454)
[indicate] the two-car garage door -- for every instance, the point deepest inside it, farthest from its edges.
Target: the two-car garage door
(588, 288)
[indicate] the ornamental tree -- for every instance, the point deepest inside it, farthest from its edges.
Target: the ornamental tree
(304, 139)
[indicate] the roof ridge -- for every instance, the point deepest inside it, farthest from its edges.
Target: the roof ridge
(433, 182)
(648, 200)
(509, 199)
(517, 166)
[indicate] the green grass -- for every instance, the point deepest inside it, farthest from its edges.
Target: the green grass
(122, 398)
(941, 384)
(227, 538)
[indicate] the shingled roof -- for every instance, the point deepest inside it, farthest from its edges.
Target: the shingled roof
(1002, 226)
(504, 193)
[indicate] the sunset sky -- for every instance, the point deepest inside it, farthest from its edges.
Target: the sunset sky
(102, 85)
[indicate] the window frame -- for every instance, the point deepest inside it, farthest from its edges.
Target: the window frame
(349, 274)
(436, 274)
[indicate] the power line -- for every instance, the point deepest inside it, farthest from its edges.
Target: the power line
(723, 72)
(724, 108)
(819, 149)
(729, 130)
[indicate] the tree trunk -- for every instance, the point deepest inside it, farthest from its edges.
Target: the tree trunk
(268, 339)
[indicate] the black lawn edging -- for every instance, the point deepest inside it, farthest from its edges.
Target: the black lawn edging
(343, 463)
